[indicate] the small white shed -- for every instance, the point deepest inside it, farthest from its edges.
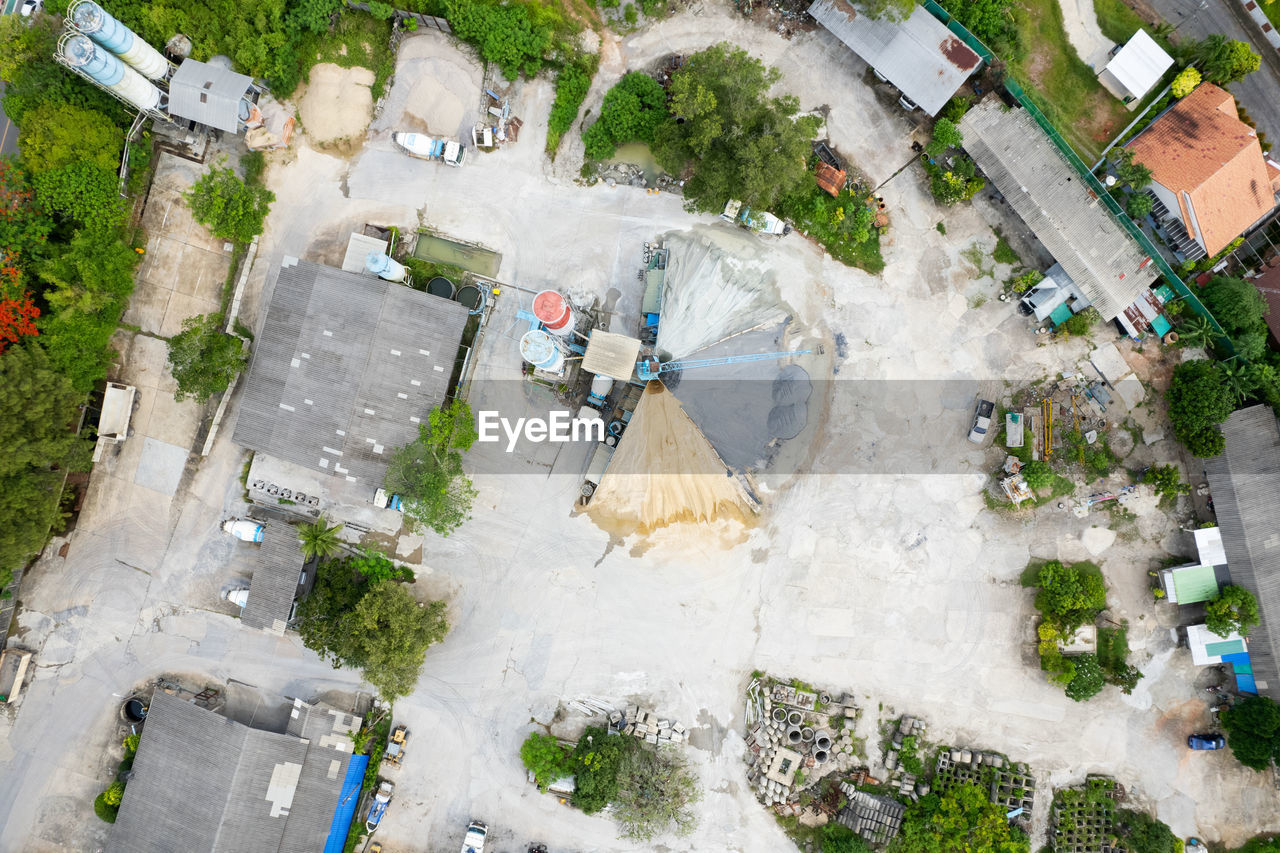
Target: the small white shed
(1135, 68)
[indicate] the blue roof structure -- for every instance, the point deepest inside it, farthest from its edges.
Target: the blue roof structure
(347, 802)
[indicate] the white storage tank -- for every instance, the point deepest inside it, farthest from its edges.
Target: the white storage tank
(94, 21)
(384, 266)
(542, 351)
(101, 66)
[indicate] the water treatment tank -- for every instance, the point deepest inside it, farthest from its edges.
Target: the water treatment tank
(94, 21)
(554, 312)
(103, 67)
(384, 266)
(542, 351)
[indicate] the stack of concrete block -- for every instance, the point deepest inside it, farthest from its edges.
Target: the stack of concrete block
(648, 727)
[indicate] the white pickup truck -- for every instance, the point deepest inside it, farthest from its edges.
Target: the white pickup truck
(474, 840)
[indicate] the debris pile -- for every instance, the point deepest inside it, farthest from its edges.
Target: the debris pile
(647, 726)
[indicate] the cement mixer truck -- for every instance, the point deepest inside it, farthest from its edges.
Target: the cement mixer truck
(429, 148)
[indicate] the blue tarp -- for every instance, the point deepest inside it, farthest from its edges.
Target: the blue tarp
(347, 802)
(1246, 684)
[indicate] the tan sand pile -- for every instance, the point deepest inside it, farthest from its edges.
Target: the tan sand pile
(665, 472)
(337, 103)
(435, 106)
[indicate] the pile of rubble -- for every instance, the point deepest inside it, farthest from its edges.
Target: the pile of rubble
(906, 783)
(647, 726)
(788, 739)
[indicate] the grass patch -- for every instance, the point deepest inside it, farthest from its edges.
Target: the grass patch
(1004, 253)
(359, 41)
(1272, 11)
(423, 271)
(1061, 84)
(1113, 647)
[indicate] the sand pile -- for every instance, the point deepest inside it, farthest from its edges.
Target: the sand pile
(435, 107)
(337, 103)
(665, 472)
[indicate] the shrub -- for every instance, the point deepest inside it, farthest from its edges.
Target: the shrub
(104, 810)
(1198, 401)
(630, 13)
(1038, 474)
(1088, 679)
(545, 758)
(114, 794)
(1139, 205)
(595, 762)
(1234, 608)
(572, 84)
(131, 743)
(1186, 81)
(203, 358)
(1079, 324)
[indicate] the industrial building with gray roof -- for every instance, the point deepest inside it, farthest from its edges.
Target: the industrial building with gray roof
(210, 95)
(202, 783)
(1045, 190)
(345, 369)
(1245, 483)
(919, 55)
(278, 578)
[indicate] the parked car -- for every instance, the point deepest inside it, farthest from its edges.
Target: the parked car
(981, 421)
(1206, 741)
(29, 7)
(907, 104)
(474, 840)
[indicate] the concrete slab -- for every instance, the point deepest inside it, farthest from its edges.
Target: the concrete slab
(173, 422)
(160, 467)
(147, 307)
(1130, 389)
(182, 306)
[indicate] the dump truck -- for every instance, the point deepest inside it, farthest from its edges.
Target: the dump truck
(426, 147)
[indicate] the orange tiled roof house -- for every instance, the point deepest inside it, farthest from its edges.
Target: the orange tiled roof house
(1208, 172)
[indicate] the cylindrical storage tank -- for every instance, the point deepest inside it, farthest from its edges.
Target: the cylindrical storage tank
(441, 286)
(542, 351)
(94, 62)
(92, 20)
(554, 312)
(384, 266)
(471, 297)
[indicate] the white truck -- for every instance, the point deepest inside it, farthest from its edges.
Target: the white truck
(474, 840)
(426, 147)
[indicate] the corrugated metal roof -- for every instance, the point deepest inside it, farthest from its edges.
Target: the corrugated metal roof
(208, 94)
(1140, 64)
(1194, 583)
(1038, 182)
(1245, 483)
(206, 784)
(277, 561)
(344, 370)
(611, 354)
(919, 55)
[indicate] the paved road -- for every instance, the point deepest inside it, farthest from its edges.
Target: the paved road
(9, 133)
(1259, 93)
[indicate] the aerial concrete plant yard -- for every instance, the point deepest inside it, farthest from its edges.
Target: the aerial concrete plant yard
(561, 426)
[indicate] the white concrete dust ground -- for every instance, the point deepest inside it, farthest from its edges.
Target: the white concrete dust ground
(336, 103)
(899, 587)
(1081, 23)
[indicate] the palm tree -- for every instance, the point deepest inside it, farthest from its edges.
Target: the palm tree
(1195, 332)
(319, 540)
(1241, 379)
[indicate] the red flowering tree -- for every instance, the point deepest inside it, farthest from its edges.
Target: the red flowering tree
(23, 226)
(17, 312)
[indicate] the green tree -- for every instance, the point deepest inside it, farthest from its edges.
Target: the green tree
(739, 142)
(545, 758)
(1198, 401)
(1069, 595)
(1088, 679)
(392, 634)
(82, 193)
(989, 20)
(837, 838)
(1129, 172)
(229, 207)
(514, 36)
(595, 763)
(375, 568)
(59, 134)
(1167, 481)
(1234, 608)
(24, 227)
(945, 136)
(631, 111)
(38, 408)
(319, 539)
(656, 794)
(324, 619)
(1236, 304)
(204, 359)
(1139, 205)
(1253, 731)
(1186, 81)
(572, 84)
(427, 473)
(130, 743)
(1224, 61)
